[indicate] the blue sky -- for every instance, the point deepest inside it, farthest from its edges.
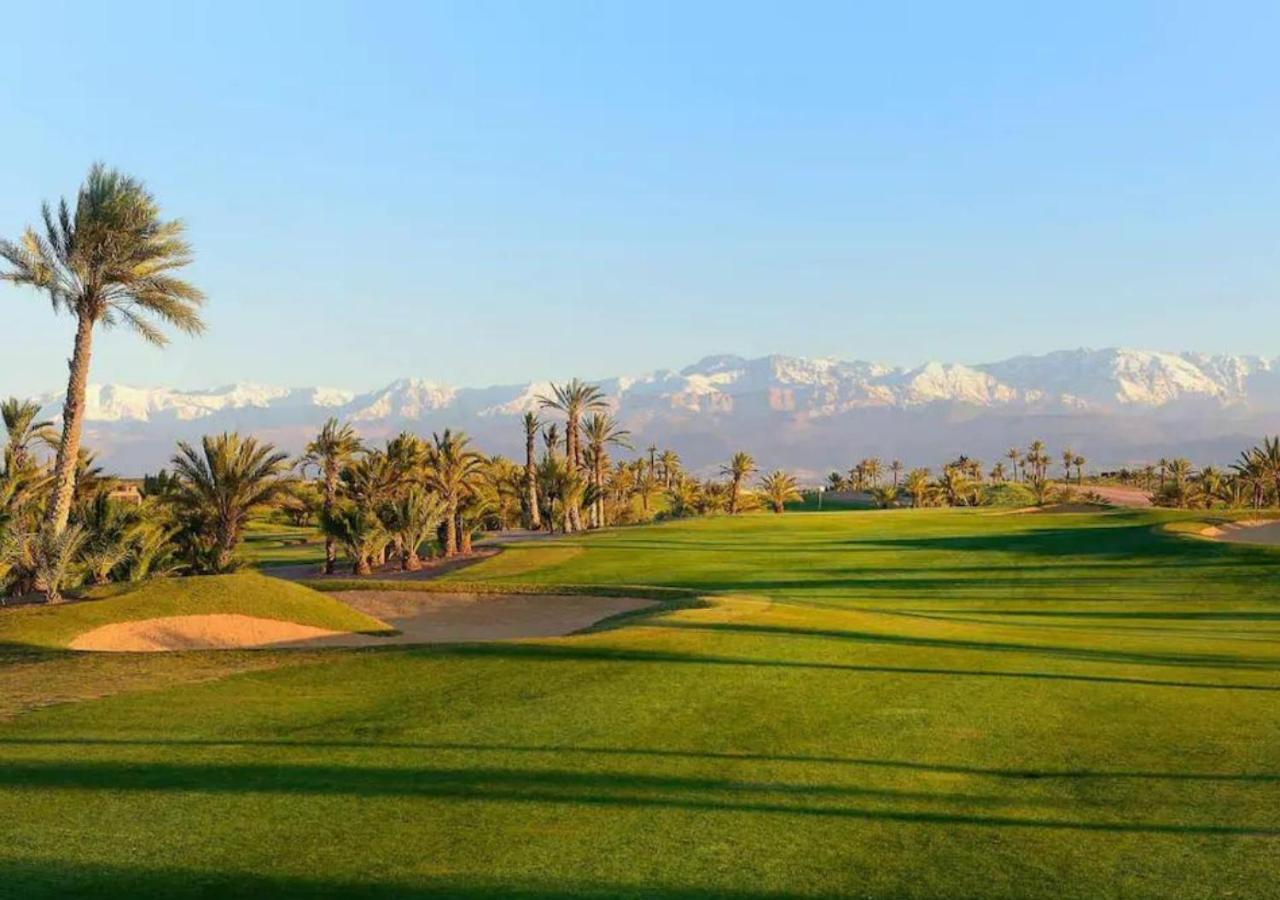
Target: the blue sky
(490, 192)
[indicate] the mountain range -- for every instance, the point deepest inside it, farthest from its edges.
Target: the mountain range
(1115, 406)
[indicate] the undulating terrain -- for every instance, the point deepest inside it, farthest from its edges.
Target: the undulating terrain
(880, 704)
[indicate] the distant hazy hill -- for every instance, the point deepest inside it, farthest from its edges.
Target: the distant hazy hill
(1112, 405)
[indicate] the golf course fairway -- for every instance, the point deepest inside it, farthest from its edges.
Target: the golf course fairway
(876, 704)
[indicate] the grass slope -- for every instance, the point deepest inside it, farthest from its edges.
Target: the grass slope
(902, 704)
(247, 593)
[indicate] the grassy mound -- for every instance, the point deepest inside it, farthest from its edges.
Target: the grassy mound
(245, 593)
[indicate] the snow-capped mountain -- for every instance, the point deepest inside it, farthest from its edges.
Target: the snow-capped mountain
(1113, 405)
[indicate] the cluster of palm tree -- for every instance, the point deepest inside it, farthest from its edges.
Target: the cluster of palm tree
(393, 503)
(1253, 480)
(865, 475)
(960, 482)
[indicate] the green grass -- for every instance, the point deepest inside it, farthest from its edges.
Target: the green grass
(269, 543)
(247, 593)
(880, 704)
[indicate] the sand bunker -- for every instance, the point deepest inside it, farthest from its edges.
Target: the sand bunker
(1246, 531)
(431, 618)
(420, 617)
(222, 631)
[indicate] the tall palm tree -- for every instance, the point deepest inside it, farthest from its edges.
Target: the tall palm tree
(599, 432)
(532, 516)
(895, 468)
(669, 461)
(110, 262)
(23, 429)
(452, 472)
(575, 399)
(1068, 460)
(1015, 457)
(872, 467)
(1079, 463)
(779, 488)
(330, 450)
(220, 484)
(738, 470)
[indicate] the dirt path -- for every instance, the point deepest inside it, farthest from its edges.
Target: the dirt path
(421, 618)
(430, 618)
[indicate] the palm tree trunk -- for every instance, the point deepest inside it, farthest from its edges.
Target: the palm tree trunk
(330, 497)
(534, 517)
(451, 528)
(64, 470)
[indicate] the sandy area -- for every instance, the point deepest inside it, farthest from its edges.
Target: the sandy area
(430, 618)
(1247, 531)
(1120, 495)
(420, 617)
(222, 631)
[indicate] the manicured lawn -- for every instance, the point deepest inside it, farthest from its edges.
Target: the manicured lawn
(883, 704)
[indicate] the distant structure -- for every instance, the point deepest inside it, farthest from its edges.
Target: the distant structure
(126, 492)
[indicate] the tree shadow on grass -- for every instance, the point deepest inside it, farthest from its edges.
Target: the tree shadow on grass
(551, 653)
(581, 789)
(1084, 654)
(30, 878)
(383, 746)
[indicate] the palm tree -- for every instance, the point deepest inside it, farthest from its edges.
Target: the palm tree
(1079, 462)
(835, 481)
(601, 431)
(110, 262)
(221, 484)
(1269, 459)
(332, 448)
(23, 430)
(1068, 460)
(738, 469)
(895, 468)
(1250, 471)
(669, 461)
(997, 472)
(529, 502)
(1015, 457)
(452, 472)
(360, 532)
(885, 497)
(574, 399)
(918, 486)
(412, 519)
(779, 489)
(1209, 485)
(872, 468)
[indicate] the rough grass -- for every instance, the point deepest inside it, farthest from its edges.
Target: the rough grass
(897, 704)
(246, 593)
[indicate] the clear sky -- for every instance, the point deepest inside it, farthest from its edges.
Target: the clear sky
(490, 192)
